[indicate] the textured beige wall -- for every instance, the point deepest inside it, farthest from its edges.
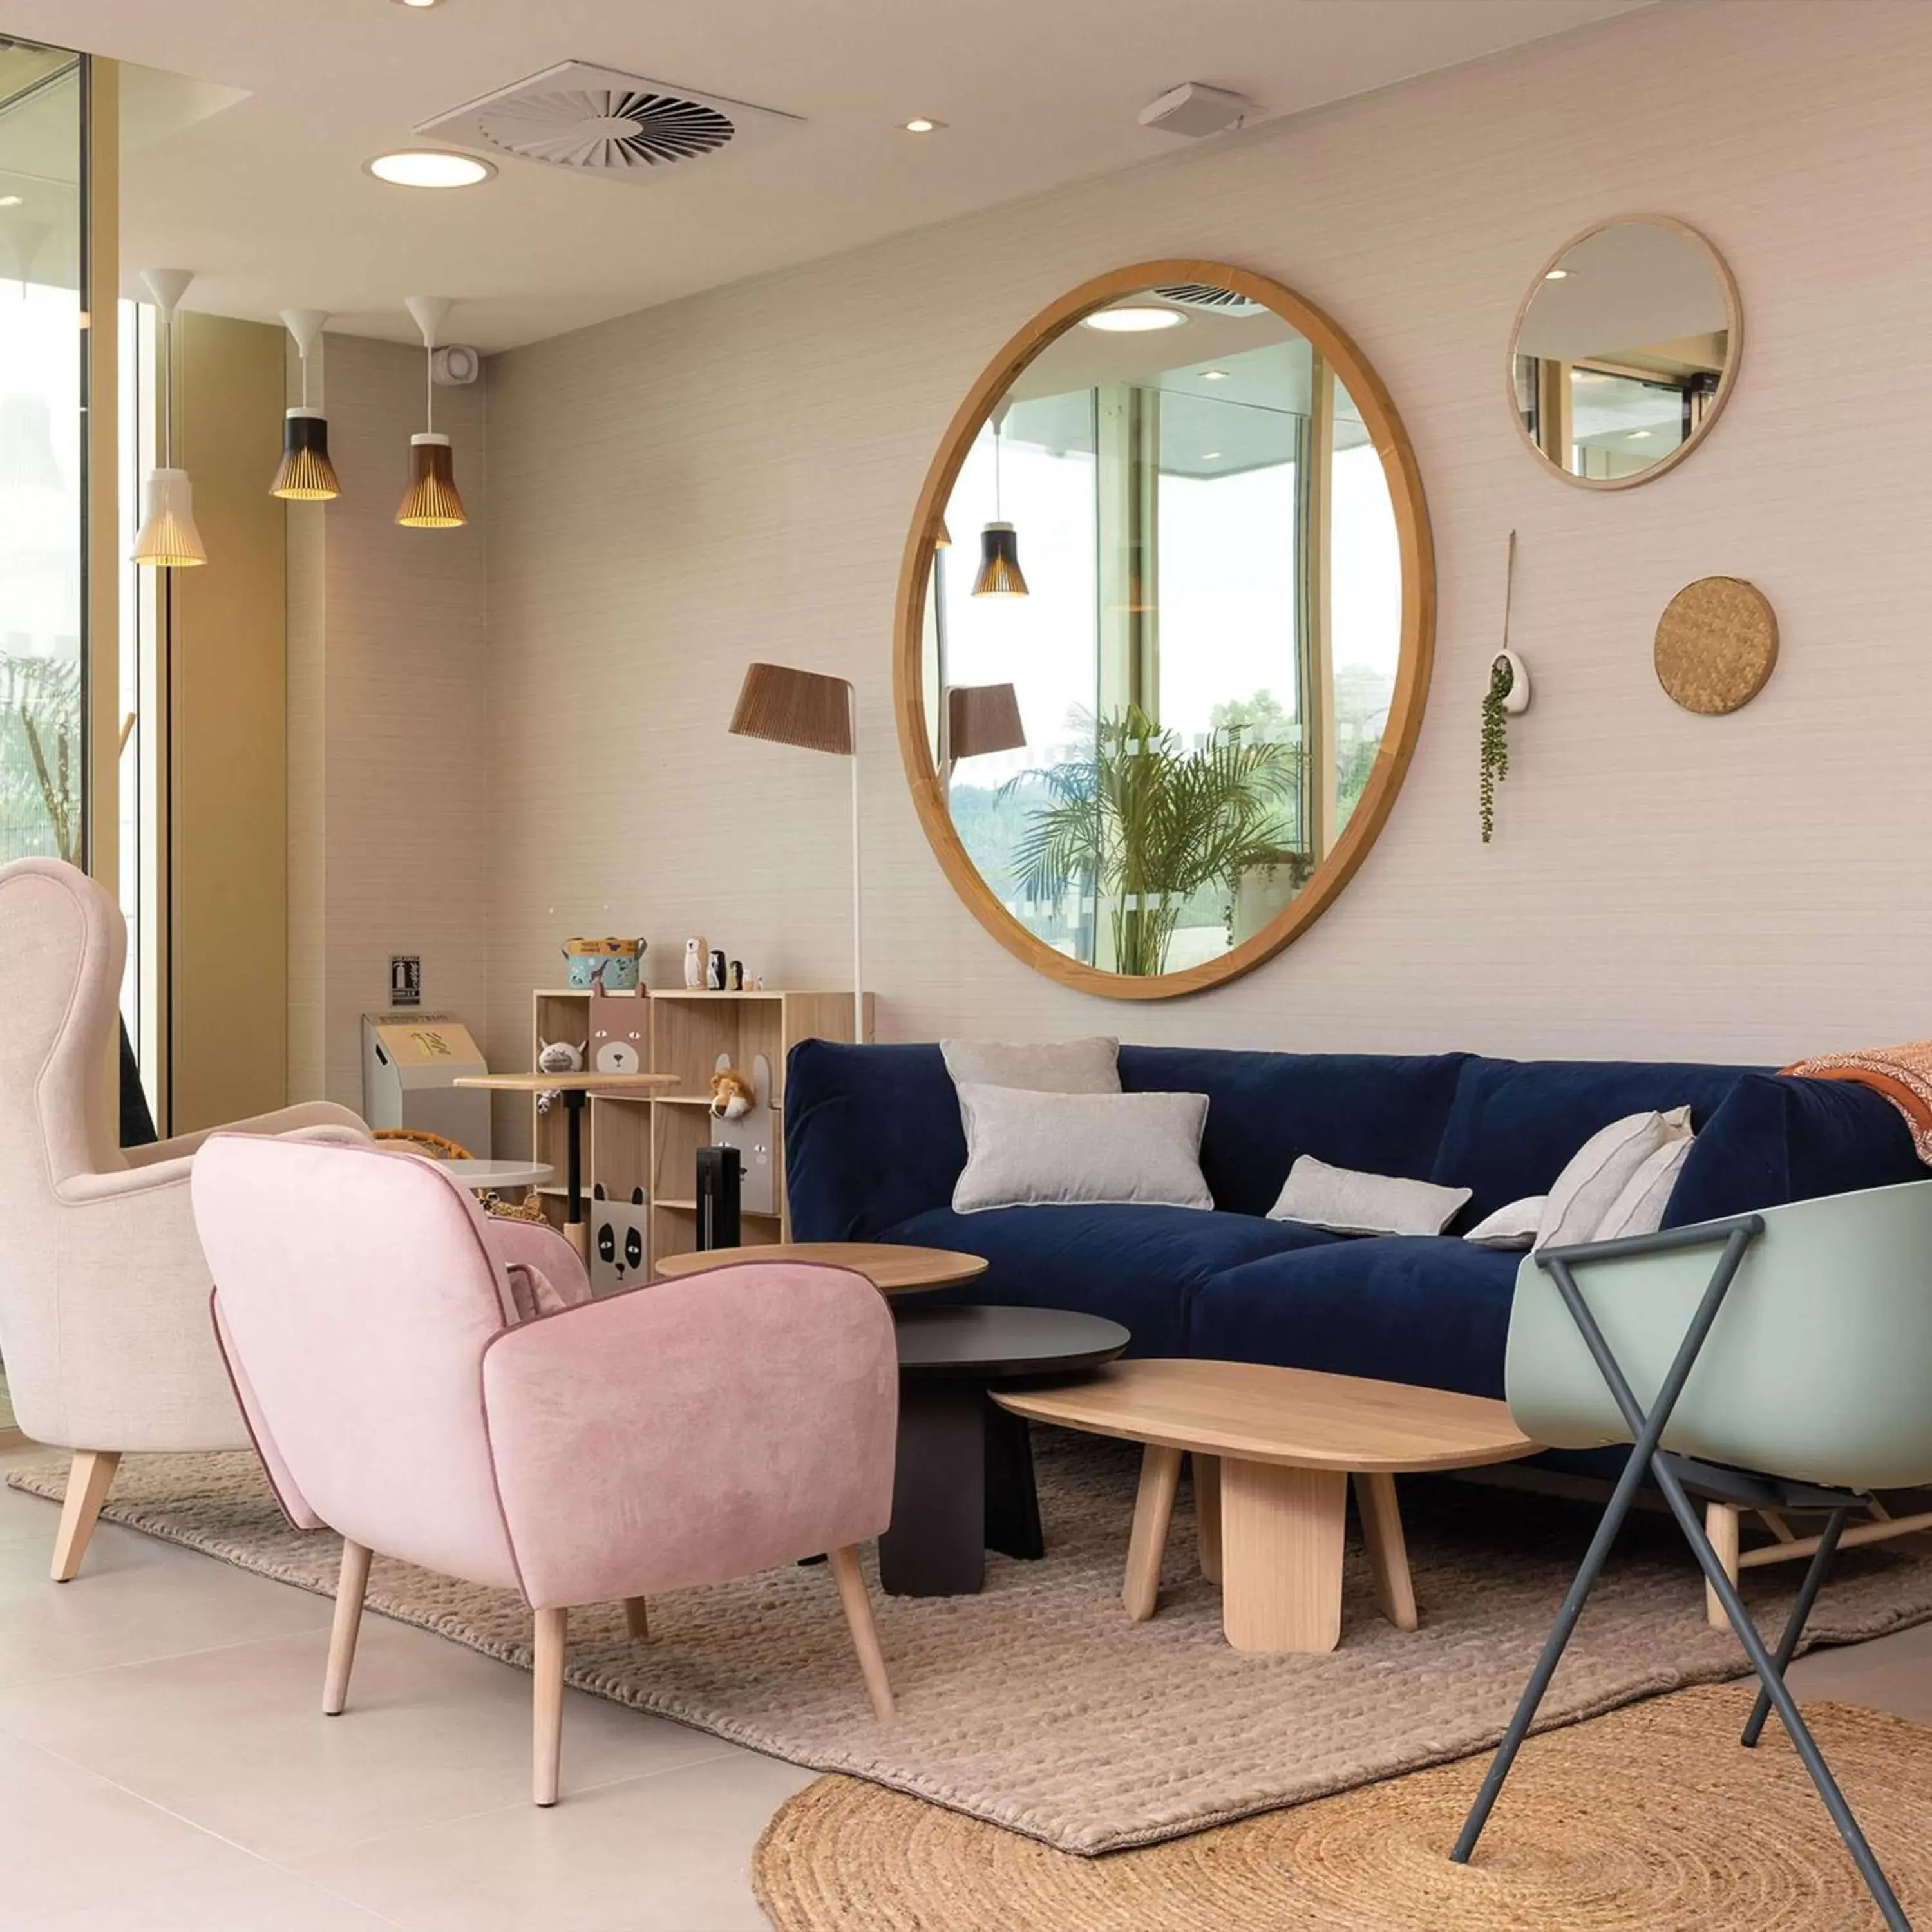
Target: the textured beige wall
(680, 490)
(388, 792)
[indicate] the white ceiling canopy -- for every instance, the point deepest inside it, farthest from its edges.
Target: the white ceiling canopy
(267, 194)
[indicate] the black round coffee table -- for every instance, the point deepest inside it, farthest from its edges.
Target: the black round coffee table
(963, 1484)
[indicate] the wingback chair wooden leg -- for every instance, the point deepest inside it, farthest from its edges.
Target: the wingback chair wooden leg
(87, 1486)
(351, 1584)
(844, 1566)
(553, 1629)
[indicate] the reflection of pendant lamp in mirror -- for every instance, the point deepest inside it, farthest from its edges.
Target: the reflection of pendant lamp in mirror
(816, 713)
(999, 546)
(982, 718)
(306, 474)
(167, 539)
(942, 538)
(430, 502)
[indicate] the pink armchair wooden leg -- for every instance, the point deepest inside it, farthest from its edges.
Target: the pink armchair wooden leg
(845, 1565)
(350, 1586)
(553, 1631)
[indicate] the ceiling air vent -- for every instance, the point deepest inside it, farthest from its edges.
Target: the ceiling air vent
(1204, 295)
(593, 120)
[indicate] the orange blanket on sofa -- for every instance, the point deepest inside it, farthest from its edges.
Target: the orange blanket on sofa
(1902, 1074)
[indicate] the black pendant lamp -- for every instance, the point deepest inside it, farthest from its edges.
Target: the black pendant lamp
(999, 546)
(306, 474)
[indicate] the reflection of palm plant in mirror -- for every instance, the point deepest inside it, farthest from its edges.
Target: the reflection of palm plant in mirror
(39, 758)
(1151, 823)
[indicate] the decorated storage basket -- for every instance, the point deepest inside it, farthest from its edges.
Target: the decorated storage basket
(612, 963)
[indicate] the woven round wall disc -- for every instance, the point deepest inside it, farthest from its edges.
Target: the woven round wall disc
(1716, 643)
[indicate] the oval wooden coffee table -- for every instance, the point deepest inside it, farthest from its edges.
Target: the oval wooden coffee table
(1273, 1450)
(891, 1269)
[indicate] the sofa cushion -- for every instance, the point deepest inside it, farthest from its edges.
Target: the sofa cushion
(1426, 1309)
(872, 1134)
(1133, 1264)
(1774, 1140)
(1376, 1113)
(1515, 1123)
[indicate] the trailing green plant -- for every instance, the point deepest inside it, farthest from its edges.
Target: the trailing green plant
(1151, 823)
(1495, 743)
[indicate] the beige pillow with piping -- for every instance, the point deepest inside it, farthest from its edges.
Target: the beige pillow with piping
(1033, 1150)
(1599, 1171)
(1639, 1209)
(1036, 1066)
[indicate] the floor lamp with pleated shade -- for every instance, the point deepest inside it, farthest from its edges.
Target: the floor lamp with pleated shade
(167, 539)
(815, 713)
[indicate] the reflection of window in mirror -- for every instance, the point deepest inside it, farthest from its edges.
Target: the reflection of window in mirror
(1623, 350)
(1214, 628)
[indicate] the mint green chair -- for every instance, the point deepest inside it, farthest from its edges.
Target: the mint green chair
(1779, 1360)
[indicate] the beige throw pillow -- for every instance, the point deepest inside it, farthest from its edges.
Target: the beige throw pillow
(1599, 1171)
(1032, 1149)
(1039, 1067)
(1639, 1209)
(1346, 1201)
(1514, 1226)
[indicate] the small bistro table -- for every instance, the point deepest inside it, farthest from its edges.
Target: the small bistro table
(574, 1088)
(890, 1269)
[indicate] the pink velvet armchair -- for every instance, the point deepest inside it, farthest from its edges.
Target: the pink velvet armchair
(680, 1434)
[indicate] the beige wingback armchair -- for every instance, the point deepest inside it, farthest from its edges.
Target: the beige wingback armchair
(104, 1321)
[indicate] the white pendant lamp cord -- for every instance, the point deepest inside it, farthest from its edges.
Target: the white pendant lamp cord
(429, 387)
(167, 389)
(997, 516)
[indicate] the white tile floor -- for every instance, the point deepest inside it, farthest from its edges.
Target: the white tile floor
(163, 1768)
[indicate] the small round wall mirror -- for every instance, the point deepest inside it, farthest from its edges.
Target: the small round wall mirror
(1626, 348)
(1165, 628)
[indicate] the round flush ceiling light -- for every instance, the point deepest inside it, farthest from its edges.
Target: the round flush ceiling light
(921, 123)
(1556, 275)
(429, 167)
(1134, 321)
(419, 3)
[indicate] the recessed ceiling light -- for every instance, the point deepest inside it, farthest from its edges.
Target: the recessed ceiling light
(10, 201)
(921, 123)
(1210, 456)
(1557, 275)
(419, 3)
(429, 167)
(1134, 321)
(1213, 375)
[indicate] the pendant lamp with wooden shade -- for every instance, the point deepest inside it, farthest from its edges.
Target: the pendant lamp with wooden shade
(167, 539)
(306, 474)
(815, 713)
(431, 502)
(999, 545)
(982, 718)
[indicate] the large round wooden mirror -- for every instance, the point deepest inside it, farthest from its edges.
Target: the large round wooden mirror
(1165, 627)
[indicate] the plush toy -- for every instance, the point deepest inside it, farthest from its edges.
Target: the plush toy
(732, 1095)
(695, 960)
(557, 1056)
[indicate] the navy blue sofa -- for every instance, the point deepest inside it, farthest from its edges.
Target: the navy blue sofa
(874, 1145)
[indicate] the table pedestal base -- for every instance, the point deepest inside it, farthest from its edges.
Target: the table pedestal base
(963, 1484)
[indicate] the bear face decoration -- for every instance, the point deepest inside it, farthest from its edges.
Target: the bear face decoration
(616, 1043)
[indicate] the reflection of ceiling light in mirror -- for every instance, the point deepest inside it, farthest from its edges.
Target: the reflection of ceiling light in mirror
(1213, 375)
(1557, 275)
(1134, 321)
(1210, 456)
(1635, 434)
(10, 201)
(429, 167)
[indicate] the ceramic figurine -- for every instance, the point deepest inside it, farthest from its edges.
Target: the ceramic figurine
(694, 959)
(737, 972)
(714, 975)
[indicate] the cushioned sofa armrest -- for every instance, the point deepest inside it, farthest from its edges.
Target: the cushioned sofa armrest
(693, 1431)
(536, 1244)
(309, 1114)
(1774, 1140)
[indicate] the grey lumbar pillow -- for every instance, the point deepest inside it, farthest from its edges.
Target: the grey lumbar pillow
(1347, 1202)
(1599, 1171)
(1035, 1150)
(1513, 1226)
(1042, 1066)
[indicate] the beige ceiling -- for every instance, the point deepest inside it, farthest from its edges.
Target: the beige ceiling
(266, 198)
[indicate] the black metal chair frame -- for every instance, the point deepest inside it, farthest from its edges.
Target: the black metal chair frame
(1670, 1472)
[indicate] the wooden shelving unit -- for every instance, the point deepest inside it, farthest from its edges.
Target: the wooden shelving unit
(652, 1143)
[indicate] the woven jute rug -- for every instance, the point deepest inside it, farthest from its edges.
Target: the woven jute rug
(1652, 1820)
(1038, 1706)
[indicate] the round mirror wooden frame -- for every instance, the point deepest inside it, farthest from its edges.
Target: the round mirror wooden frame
(1417, 643)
